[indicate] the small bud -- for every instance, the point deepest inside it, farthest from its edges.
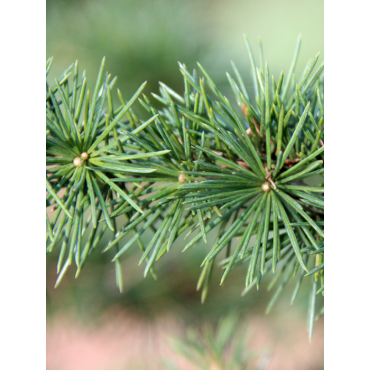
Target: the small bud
(77, 161)
(182, 178)
(266, 186)
(84, 156)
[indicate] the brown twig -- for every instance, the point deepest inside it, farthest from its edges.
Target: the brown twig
(268, 177)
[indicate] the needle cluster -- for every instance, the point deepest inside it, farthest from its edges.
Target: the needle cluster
(248, 172)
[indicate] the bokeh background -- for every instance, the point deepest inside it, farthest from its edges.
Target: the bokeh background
(90, 325)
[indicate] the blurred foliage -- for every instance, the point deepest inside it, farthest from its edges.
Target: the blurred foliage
(144, 39)
(218, 347)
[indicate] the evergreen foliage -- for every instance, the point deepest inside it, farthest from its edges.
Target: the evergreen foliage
(219, 347)
(251, 172)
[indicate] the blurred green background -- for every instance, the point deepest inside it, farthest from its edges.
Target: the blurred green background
(144, 40)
